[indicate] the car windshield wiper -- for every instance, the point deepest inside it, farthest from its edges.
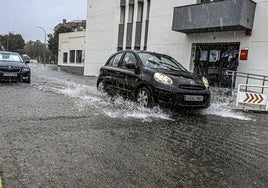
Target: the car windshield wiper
(170, 66)
(159, 64)
(153, 62)
(166, 66)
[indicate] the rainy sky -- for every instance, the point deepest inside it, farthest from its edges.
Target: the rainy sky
(25, 16)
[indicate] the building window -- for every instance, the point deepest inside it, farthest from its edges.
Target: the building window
(122, 15)
(140, 12)
(130, 13)
(147, 24)
(137, 48)
(148, 10)
(72, 56)
(65, 57)
(119, 49)
(78, 56)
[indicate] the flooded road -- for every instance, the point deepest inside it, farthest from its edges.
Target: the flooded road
(60, 132)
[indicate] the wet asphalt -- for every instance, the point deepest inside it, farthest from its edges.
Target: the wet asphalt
(59, 131)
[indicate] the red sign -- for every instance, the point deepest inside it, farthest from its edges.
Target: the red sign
(244, 54)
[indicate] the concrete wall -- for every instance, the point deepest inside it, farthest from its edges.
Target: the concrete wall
(102, 33)
(258, 62)
(71, 41)
(161, 38)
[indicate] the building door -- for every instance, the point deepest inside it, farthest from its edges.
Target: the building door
(211, 60)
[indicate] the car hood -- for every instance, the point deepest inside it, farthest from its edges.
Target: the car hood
(12, 64)
(183, 77)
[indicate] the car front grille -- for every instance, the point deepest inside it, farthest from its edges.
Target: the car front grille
(6, 69)
(192, 87)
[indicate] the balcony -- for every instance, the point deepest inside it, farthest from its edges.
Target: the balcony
(228, 15)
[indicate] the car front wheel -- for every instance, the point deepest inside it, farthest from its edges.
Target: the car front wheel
(28, 81)
(144, 97)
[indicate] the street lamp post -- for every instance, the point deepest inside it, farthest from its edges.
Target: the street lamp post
(10, 32)
(7, 43)
(45, 39)
(44, 32)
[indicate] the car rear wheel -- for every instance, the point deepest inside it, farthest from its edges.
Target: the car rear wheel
(100, 86)
(144, 97)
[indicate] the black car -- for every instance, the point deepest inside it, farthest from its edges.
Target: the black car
(150, 78)
(13, 68)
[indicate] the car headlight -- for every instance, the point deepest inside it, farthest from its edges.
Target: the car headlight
(25, 69)
(205, 81)
(164, 79)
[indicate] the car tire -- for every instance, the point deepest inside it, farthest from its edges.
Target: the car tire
(144, 97)
(100, 86)
(28, 81)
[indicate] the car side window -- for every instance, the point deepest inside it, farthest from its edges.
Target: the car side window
(114, 62)
(129, 58)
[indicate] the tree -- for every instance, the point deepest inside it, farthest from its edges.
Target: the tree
(12, 42)
(53, 40)
(37, 50)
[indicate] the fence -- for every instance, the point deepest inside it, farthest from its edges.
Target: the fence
(253, 93)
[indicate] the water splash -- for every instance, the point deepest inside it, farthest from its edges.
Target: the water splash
(224, 110)
(222, 104)
(86, 97)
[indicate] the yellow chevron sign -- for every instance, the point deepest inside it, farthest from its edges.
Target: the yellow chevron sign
(253, 98)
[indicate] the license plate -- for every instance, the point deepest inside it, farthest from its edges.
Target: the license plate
(10, 74)
(193, 98)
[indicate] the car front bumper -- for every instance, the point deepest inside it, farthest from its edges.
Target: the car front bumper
(176, 97)
(15, 77)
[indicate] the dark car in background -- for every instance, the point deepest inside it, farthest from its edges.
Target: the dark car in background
(151, 78)
(13, 68)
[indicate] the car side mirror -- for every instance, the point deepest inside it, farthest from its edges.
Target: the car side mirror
(130, 65)
(26, 61)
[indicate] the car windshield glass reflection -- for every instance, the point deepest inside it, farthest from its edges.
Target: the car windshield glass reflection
(10, 57)
(156, 61)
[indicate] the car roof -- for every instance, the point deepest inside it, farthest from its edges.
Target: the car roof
(139, 51)
(6, 52)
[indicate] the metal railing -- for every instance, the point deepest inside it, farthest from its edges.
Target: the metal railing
(248, 77)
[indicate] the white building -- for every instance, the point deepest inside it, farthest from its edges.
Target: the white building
(71, 54)
(191, 31)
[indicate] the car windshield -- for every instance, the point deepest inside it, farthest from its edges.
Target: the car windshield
(159, 61)
(10, 57)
